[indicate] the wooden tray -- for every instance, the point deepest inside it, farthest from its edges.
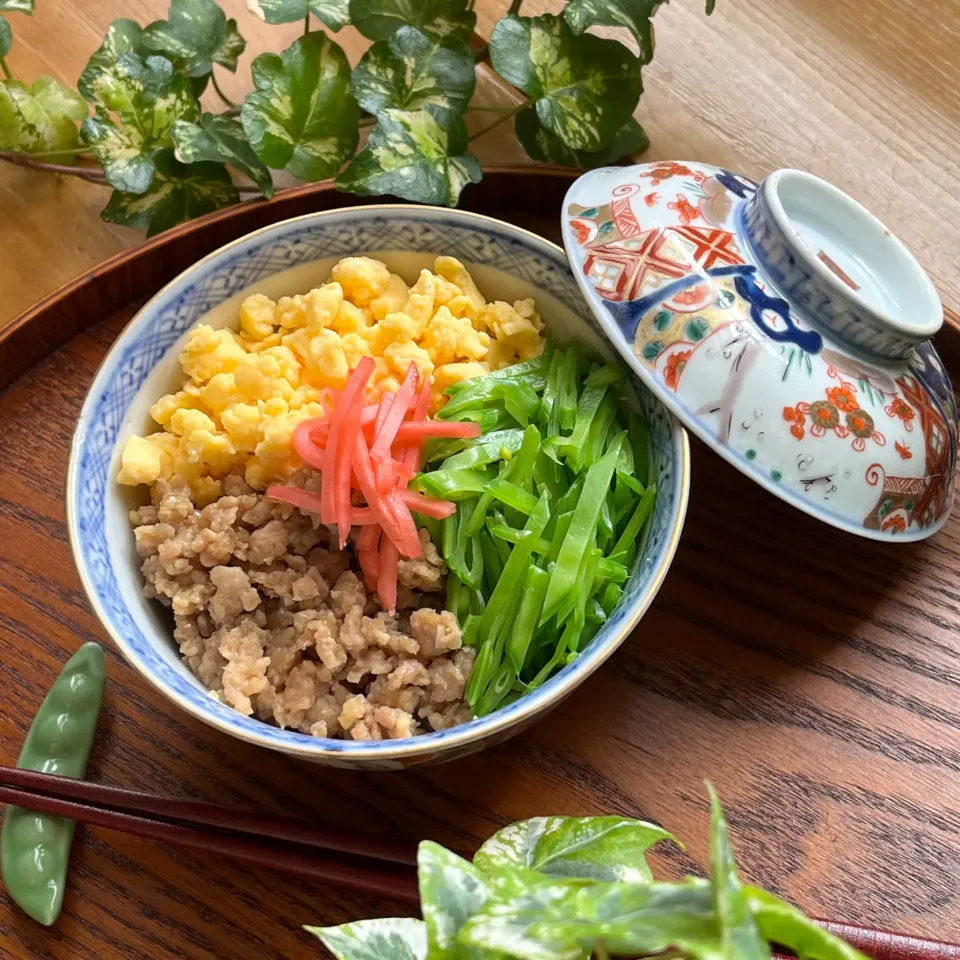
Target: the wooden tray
(811, 676)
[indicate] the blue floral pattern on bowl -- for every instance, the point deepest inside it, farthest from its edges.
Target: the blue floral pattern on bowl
(97, 523)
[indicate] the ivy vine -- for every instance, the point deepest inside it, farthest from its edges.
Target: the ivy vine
(392, 125)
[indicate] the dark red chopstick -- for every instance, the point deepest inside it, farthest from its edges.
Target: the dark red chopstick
(391, 880)
(193, 813)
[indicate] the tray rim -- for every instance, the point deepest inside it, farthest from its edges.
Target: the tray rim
(888, 944)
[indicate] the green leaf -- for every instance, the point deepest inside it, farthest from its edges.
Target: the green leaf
(138, 101)
(6, 36)
(411, 71)
(547, 147)
(301, 116)
(40, 119)
(414, 155)
(452, 890)
(585, 88)
(197, 35)
(178, 192)
(221, 140)
(334, 13)
(785, 925)
(597, 848)
(122, 36)
(710, 6)
(633, 14)
(380, 19)
(510, 926)
(738, 929)
(400, 938)
(636, 919)
(17, 6)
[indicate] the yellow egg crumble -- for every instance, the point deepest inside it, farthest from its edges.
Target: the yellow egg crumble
(248, 389)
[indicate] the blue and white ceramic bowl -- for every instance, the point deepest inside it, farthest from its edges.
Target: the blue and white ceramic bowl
(507, 263)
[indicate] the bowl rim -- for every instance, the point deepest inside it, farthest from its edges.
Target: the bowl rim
(434, 742)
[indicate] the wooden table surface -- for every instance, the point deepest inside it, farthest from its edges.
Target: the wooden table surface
(813, 677)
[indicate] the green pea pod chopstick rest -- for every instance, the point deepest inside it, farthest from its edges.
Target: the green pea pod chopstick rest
(35, 847)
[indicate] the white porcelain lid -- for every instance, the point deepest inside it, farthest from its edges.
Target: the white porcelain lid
(785, 326)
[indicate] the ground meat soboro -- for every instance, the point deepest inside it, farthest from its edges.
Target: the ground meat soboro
(274, 622)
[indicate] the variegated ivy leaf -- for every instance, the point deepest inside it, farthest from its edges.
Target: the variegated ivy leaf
(221, 140)
(138, 101)
(178, 192)
(547, 147)
(18, 6)
(380, 19)
(301, 116)
(6, 36)
(585, 88)
(334, 13)
(594, 848)
(412, 70)
(452, 890)
(197, 35)
(414, 155)
(40, 119)
(122, 36)
(400, 938)
(633, 14)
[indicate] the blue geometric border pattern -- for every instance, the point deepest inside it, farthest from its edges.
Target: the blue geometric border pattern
(179, 306)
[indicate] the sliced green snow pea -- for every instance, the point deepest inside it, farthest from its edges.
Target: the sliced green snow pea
(521, 633)
(599, 428)
(634, 525)
(582, 530)
(567, 392)
(35, 847)
(485, 450)
(573, 447)
(512, 495)
(453, 484)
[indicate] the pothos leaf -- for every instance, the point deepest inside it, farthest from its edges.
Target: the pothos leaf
(18, 6)
(122, 36)
(585, 88)
(547, 147)
(380, 19)
(138, 101)
(197, 35)
(301, 116)
(412, 70)
(510, 926)
(402, 938)
(738, 929)
(220, 140)
(6, 36)
(636, 919)
(451, 891)
(633, 14)
(414, 155)
(597, 848)
(178, 192)
(786, 925)
(41, 118)
(334, 13)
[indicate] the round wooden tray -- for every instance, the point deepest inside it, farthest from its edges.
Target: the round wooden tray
(813, 677)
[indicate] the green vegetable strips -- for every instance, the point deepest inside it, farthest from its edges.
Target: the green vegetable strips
(35, 847)
(552, 500)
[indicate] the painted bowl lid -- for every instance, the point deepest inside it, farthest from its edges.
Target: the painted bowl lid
(785, 326)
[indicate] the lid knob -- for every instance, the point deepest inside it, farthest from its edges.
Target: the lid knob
(839, 265)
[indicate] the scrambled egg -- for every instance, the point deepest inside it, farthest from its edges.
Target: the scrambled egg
(247, 390)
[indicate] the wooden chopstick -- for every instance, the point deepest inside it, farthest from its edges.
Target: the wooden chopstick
(193, 813)
(391, 880)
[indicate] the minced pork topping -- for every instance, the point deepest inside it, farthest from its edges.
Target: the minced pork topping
(273, 620)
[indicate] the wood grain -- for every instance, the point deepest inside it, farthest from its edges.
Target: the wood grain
(811, 676)
(864, 94)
